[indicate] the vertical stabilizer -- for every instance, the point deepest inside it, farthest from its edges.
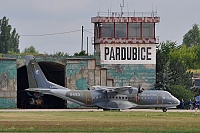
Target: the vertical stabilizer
(36, 77)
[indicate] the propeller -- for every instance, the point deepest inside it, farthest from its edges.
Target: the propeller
(139, 88)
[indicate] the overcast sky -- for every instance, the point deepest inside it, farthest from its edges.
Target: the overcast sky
(39, 17)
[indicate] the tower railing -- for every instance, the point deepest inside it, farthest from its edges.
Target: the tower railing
(127, 14)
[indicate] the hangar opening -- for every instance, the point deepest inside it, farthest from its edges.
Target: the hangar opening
(55, 73)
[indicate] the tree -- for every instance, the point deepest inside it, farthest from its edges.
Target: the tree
(163, 79)
(14, 42)
(186, 55)
(196, 63)
(30, 50)
(192, 37)
(179, 73)
(9, 41)
(169, 69)
(182, 92)
(162, 55)
(60, 54)
(82, 53)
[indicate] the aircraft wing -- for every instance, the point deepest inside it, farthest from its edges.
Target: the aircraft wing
(112, 89)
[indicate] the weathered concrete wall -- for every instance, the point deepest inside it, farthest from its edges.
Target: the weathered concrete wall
(80, 73)
(8, 83)
(132, 75)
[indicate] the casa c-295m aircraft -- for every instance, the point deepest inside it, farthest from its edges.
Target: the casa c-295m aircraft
(107, 98)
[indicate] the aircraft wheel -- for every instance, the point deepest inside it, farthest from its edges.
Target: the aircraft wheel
(164, 110)
(106, 109)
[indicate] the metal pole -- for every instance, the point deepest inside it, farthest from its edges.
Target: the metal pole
(87, 45)
(82, 40)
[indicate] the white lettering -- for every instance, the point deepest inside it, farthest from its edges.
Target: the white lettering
(75, 94)
(127, 53)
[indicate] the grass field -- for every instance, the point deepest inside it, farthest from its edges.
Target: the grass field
(107, 121)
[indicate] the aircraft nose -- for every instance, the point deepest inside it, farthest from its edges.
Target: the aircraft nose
(177, 101)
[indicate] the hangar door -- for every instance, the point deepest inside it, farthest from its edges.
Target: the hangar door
(55, 73)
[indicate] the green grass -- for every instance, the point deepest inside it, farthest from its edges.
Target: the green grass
(99, 122)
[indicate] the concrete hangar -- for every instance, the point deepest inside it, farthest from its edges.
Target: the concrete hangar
(124, 55)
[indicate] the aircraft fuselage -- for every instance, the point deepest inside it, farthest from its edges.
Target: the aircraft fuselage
(146, 99)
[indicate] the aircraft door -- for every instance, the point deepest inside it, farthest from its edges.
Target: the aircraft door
(88, 98)
(134, 98)
(159, 100)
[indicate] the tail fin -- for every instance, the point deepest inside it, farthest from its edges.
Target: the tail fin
(36, 77)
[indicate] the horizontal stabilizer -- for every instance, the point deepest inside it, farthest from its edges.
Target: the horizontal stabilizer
(38, 90)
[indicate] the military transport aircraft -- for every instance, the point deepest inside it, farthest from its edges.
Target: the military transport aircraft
(107, 98)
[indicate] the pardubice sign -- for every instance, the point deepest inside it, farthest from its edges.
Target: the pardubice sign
(128, 53)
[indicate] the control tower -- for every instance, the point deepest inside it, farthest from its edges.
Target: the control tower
(127, 40)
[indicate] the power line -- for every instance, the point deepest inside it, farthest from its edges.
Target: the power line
(88, 31)
(50, 34)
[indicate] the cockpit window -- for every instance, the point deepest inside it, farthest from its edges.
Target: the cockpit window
(167, 95)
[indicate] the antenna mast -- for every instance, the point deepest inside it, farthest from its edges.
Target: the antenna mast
(121, 8)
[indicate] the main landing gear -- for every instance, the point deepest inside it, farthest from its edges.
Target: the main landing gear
(164, 109)
(111, 109)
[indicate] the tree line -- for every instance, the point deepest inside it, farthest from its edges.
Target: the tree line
(174, 62)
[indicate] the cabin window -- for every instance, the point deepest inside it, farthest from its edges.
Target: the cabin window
(119, 97)
(116, 97)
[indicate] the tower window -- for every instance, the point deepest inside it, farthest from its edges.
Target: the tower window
(148, 30)
(134, 30)
(121, 30)
(107, 30)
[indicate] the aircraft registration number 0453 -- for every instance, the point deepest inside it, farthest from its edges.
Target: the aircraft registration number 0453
(75, 94)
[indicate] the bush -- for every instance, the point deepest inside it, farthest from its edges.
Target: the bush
(181, 92)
